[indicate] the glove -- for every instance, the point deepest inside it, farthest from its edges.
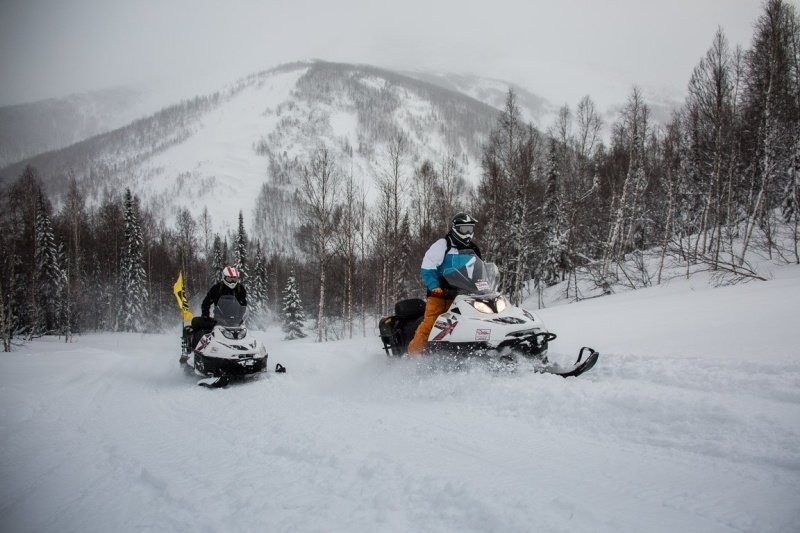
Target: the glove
(438, 292)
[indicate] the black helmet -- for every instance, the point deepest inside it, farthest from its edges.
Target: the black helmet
(463, 228)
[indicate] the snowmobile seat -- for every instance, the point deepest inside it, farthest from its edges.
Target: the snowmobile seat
(408, 309)
(396, 332)
(203, 322)
(200, 326)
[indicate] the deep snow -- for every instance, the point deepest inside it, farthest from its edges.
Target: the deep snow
(689, 422)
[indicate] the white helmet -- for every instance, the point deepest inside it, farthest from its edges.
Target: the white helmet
(230, 276)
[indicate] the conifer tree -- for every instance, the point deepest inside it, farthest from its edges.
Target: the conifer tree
(257, 286)
(293, 315)
(218, 260)
(49, 277)
(403, 270)
(240, 253)
(133, 279)
(554, 261)
(5, 322)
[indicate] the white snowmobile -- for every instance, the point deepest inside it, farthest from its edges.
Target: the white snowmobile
(221, 349)
(480, 322)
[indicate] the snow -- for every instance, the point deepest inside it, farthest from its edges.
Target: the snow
(689, 422)
(220, 155)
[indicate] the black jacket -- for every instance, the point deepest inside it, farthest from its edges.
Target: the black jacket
(453, 242)
(220, 289)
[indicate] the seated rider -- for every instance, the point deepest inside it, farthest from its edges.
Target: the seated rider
(436, 260)
(229, 284)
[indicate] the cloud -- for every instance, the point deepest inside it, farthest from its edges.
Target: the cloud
(562, 50)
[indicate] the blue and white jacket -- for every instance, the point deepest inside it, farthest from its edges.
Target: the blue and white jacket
(443, 256)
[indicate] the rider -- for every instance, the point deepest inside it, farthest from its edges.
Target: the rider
(436, 260)
(230, 284)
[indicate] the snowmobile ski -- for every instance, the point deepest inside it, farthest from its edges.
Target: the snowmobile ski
(581, 365)
(214, 382)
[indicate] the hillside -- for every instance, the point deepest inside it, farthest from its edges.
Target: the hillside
(689, 422)
(225, 149)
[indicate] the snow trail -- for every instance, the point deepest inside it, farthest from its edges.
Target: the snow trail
(691, 432)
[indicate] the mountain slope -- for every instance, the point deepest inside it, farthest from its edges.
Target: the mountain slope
(220, 150)
(27, 130)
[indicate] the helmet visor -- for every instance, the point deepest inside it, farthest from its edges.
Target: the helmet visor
(230, 280)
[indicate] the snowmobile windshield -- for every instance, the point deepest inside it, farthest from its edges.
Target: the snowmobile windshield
(229, 312)
(470, 275)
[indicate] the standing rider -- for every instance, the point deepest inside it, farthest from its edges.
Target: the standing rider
(436, 260)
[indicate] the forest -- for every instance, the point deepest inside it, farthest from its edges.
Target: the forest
(718, 181)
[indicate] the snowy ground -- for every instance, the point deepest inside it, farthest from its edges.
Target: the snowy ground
(689, 422)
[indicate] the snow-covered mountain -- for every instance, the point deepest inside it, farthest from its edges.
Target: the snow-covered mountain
(243, 146)
(494, 92)
(249, 140)
(27, 130)
(689, 422)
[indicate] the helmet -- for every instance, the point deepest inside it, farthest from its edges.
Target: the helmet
(463, 228)
(230, 276)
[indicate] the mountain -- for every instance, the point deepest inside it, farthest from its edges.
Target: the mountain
(27, 130)
(493, 92)
(227, 149)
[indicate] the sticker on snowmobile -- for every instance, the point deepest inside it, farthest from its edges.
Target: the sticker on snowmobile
(446, 327)
(483, 334)
(204, 342)
(482, 285)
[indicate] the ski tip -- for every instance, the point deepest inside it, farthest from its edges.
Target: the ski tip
(214, 383)
(582, 367)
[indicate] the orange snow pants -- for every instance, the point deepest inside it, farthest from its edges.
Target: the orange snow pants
(433, 308)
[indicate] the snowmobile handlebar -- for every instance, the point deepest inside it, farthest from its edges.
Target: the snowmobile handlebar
(547, 336)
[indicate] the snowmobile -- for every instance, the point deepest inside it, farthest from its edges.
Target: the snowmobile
(220, 349)
(480, 322)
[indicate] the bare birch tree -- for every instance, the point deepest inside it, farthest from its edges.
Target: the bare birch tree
(319, 191)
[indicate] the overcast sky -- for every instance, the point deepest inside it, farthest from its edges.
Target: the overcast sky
(560, 49)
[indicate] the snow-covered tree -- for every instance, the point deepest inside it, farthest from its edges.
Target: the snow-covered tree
(554, 258)
(133, 279)
(218, 260)
(505, 197)
(293, 315)
(319, 192)
(257, 286)
(240, 252)
(630, 137)
(5, 322)
(49, 276)
(406, 275)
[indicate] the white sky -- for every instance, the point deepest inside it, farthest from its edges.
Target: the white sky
(558, 49)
